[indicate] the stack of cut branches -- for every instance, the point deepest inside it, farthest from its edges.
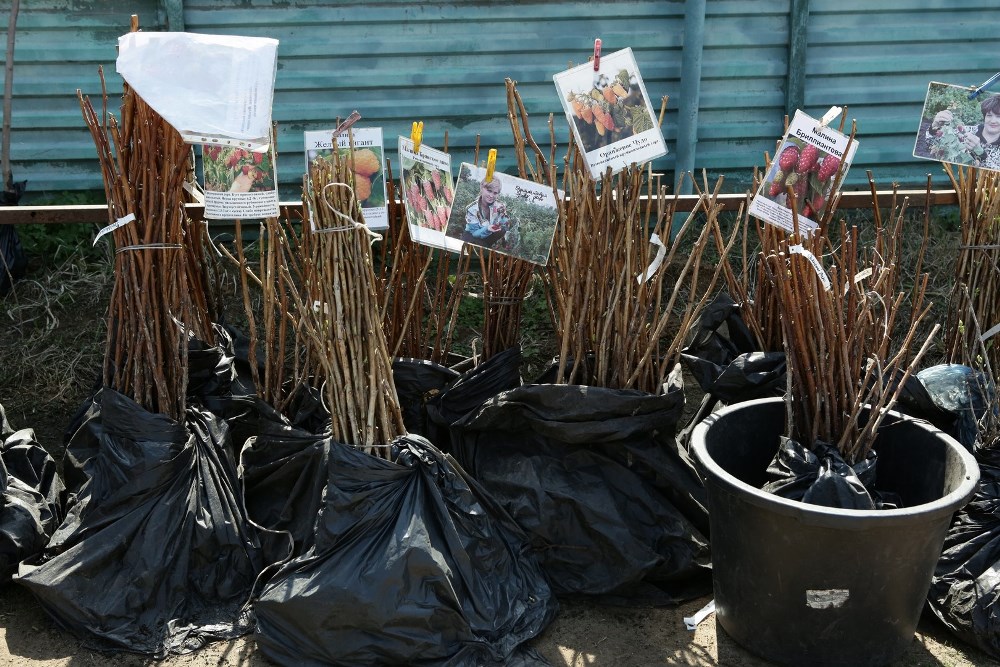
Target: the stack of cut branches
(158, 299)
(420, 289)
(975, 302)
(320, 318)
(624, 300)
(838, 328)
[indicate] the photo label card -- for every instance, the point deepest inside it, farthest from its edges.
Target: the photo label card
(610, 113)
(368, 167)
(957, 130)
(239, 183)
(428, 192)
(509, 215)
(807, 161)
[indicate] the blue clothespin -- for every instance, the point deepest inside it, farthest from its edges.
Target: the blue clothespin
(985, 84)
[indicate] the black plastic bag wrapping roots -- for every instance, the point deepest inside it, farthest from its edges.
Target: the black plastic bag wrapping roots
(155, 555)
(413, 564)
(30, 497)
(283, 472)
(965, 589)
(821, 476)
(417, 382)
(594, 477)
(726, 360)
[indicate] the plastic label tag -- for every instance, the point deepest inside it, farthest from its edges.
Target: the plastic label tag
(799, 250)
(989, 334)
(831, 598)
(692, 622)
(657, 261)
(120, 222)
(195, 191)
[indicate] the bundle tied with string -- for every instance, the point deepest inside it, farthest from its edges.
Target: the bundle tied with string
(158, 297)
(845, 356)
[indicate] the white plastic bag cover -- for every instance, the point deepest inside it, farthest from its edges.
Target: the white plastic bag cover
(210, 88)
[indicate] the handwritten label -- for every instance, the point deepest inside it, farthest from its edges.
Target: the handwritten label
(120, 222)
(799, 250)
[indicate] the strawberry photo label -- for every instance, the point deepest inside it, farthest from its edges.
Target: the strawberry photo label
(239, 183)
(428, 191)
(368, 167)
(957, 129)
(610, 113)
(807, 161)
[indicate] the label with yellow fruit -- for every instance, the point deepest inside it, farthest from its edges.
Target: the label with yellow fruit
(367, 165)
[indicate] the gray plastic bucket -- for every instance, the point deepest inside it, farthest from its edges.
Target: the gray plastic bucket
(802, 584)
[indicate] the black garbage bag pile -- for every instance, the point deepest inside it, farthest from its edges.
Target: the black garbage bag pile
(155, 554)
(592, 475)
(965, 589)
(412, 563)
(31, 497)
(418, 382)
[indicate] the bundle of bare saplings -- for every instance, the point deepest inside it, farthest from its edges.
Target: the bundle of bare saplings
(150, 469)
(366, 506)
(584, 458)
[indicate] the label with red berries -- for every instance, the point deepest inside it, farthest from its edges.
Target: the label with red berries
(505, 214)
(812, 161)
(239, 183)
(959, 130)
(427, 192)
(610, 113)
(366, 164)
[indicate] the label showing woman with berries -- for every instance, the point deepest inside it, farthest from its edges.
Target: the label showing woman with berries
(959, 130)
(808, 162)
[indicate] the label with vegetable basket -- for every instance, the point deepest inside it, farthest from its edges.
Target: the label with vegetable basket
(367, 166)
(808, 161)
(610, 113)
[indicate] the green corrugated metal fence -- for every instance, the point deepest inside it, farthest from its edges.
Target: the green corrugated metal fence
(445, 62)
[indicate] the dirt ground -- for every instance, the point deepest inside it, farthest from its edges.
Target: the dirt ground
(583, 635)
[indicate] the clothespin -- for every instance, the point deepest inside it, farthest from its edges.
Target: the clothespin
(491, 164)
(829, 116)
(597, 54)
(983, 86)
(351, 120)
(417, 135)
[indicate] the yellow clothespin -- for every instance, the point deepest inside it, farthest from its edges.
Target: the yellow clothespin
(417, 135)
(491, 164)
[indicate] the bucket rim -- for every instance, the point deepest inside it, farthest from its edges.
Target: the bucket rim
(709, 470)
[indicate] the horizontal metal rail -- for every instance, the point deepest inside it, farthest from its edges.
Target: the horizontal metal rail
(98, 213)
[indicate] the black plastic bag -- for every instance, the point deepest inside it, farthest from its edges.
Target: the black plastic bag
(821, 476)
(963, 394)
(594, 477)
(417, 382)
(155, 555)
(30, 497)
(283, 473)
(965, 589)
(413, 564)
(726, 360)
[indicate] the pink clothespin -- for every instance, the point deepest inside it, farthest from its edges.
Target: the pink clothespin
(597, 54)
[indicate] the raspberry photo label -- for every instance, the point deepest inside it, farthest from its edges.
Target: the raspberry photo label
(239, 183)
(959, 130)
(506, 214)
(368, 167)
(610, 113)
(427, 192)
(807, 161)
